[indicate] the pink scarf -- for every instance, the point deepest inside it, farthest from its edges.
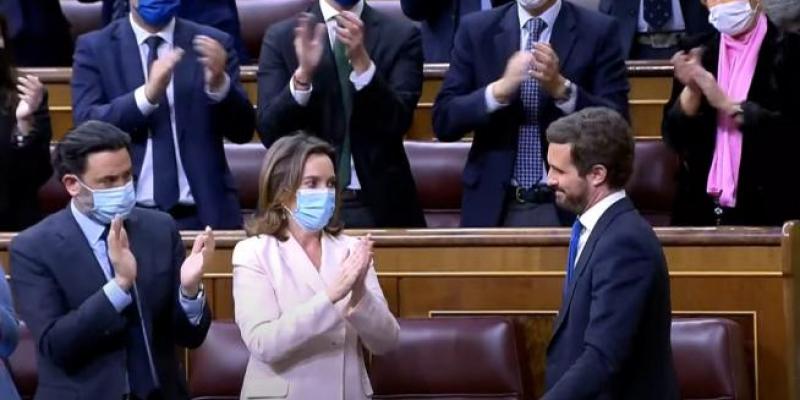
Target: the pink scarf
(737, 63)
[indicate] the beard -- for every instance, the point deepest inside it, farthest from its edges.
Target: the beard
(574, 202)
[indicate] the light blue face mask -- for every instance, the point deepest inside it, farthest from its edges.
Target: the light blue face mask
(314, 208)
(108, 203)
(157, 13)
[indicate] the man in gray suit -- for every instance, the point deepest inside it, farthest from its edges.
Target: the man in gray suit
(9, 335)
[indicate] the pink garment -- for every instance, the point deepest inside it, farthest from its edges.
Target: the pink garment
(738, 57)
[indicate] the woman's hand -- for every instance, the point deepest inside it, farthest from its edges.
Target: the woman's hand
(31, 94)
(353, 267)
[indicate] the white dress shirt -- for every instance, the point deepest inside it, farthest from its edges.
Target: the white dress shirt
(675, 24)
(590, 217)
(486, 4)
(302, 97)
(144, 184)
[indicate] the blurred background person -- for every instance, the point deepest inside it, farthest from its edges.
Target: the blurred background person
(39, 31)
(306, 296)
(9, 337)
(25, 134)
(725, 120)
(784, 13)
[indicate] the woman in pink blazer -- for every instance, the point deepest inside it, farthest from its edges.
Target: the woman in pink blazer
(305, 295)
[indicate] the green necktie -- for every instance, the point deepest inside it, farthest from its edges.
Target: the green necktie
(344, 68)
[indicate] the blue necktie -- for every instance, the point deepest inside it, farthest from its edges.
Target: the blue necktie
(165, 165)
(574, 241)
(12, 10)
(529, 167)
(657, 13)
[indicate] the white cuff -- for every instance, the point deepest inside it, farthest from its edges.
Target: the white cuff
(568, 106)
(492, 104)
(222, 93)
(302, 97)
(144, 105)
(360, 81)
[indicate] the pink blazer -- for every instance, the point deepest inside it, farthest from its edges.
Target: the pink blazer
(302, 346)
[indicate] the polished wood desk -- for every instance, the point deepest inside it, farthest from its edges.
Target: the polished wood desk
(745, 274)
(651, 84)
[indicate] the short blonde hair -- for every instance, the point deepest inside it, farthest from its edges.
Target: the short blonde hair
(281, 175)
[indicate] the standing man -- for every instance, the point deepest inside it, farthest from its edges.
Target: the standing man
(352, 76)
(440, 20)
(611, 339)
(174, 85)
(652, 29)
(514, 70)
(106, 288)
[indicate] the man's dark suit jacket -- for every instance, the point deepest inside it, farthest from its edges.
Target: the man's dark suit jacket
(108, 70)
(43, 39)
(769, 141)
(587, 46)
(23, 168)
(80, 337)
(695, 16)
(611, 339)
(382, 110)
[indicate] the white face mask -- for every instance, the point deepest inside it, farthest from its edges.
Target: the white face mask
(731, 18)
(531, 4)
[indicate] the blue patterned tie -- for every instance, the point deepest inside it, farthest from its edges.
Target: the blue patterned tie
(574, 241)
(657, 13)
(529, 167)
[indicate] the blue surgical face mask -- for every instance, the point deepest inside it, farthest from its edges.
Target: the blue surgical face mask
(347, 3)
(314, 208)
(108, 203)
(157, 13)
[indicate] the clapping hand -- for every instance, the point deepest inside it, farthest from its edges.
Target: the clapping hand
(199, 259)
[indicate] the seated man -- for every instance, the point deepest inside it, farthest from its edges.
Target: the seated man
(352, 76)
(106, 288)
(123, 74)
(9, 336)
(558, 58)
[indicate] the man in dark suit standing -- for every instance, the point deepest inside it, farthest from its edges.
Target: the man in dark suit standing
(9, 337)
(611, 339)
(351, 76)
(652, 29)
(440, 20)
(106, 288)
(39, 31)
(174, 85)
(514, 70)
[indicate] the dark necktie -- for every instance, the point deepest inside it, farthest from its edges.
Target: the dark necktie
(343, 68)
(119, 9)
(529, 167)
(572, 254)
(12, 10)
(657, 13)
(165, 165)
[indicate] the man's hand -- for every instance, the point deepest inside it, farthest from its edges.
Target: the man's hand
(194, 265)
(309, 45)
(547, 70)
(350, 31)
(119, 252)
(517, 70)
(31, 94)
(214, 58)
(160, 75)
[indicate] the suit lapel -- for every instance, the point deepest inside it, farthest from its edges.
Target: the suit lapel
(621, 206)
(184, 78)
(78, 255)
(296, 258)
(333, 252)
(128, 60)
(563, 36)
(506, 39)
(372, 31)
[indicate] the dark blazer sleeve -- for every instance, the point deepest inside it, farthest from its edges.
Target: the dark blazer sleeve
(609, 87)
(9, 327)
(385, 107)
(90, 102)
(420, 10)
(70, 338)
(460, 106)
(32, 158)
(622, 277)
(234, 117)
(186, 334)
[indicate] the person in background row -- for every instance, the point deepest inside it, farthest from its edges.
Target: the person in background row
(352, 76)
(9, 337)
(611, 339)
(174, 86)
(440, 20)
(220, 14)
(306, 296)
(25, 134)
(516, 69)
(40, 32)
(106, 288)
(727, 120)
(652, 29)
(784, 13)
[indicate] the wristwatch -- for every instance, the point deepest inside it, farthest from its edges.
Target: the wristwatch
(200, 291)
(569, 87)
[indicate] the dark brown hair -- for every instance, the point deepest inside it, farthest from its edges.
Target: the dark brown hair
(599, 136)
(281, 175)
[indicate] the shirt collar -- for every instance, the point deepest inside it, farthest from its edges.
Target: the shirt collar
(329, 12)
(90, 228)
(590, 217)
(548, 16)
(167, 33)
